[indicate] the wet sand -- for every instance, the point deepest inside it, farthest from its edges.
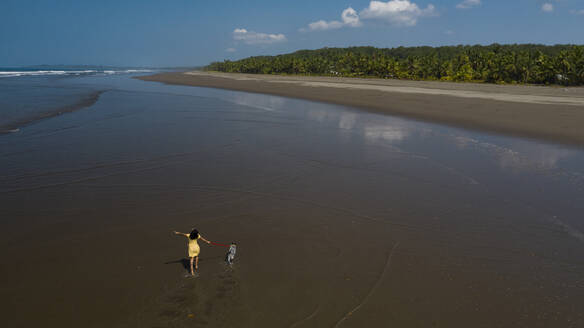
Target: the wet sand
(343, 218)
(548, 113)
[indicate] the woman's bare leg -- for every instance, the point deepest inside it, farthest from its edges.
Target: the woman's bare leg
(192, 272)
(196, 263)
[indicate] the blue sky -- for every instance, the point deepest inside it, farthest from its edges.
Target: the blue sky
(195, 32)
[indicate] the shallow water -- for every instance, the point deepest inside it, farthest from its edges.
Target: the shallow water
(342, 217)
(31, 94)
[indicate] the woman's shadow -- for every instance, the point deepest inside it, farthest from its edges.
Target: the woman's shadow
(186, 263)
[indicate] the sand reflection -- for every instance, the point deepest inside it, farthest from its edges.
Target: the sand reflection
(267, 103)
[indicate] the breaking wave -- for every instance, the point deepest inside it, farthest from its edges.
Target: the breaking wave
(18, 73)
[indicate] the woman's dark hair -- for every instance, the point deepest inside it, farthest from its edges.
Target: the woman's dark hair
(194, 234)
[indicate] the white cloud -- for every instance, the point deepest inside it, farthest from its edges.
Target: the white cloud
(547, 7)
(349, 17)
(577, 12)
(230, 50)
(397, 12)
(468, 4)
(250, 37)
(322, 25)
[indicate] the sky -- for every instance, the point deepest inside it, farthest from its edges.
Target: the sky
(165, 33)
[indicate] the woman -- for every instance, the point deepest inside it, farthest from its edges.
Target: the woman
(193, 247)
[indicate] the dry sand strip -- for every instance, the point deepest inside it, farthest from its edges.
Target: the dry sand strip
(550, 113)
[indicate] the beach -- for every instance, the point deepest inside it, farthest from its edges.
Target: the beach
(547, 113)
(342, 217)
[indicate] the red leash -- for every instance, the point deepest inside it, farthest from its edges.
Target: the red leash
(217, 244)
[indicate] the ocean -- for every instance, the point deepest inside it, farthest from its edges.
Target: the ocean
(34, 93)
(340, 216)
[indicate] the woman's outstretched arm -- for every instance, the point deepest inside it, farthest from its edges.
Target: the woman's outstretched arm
(205, 240)
(181, 234)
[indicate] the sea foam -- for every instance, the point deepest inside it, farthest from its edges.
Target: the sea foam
(18, 73)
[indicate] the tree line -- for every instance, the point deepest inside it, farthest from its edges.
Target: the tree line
(517, 63)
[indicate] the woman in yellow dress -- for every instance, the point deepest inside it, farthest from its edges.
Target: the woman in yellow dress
(193, 247)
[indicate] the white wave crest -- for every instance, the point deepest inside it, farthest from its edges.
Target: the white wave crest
(138, 71)
(76, 72)
(30, 73)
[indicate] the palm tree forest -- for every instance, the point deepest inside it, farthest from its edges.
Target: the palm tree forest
(503, 64)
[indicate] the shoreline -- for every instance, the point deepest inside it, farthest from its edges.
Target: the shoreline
(84, 102)
(545, 113)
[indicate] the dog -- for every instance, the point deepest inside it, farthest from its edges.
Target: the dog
(230, 256)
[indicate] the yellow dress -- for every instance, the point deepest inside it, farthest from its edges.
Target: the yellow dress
(194, 248)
